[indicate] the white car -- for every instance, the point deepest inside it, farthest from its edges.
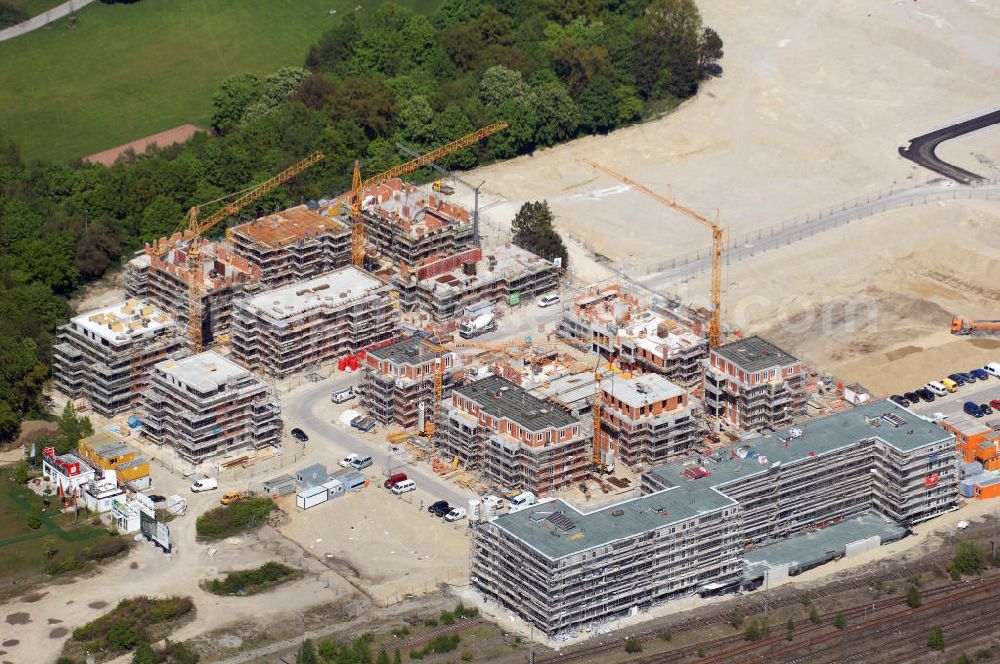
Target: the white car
(457, 514)
(992, 369)
(548, 300)
(348, 460)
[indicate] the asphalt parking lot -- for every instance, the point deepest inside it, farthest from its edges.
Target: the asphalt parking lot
(982, 391)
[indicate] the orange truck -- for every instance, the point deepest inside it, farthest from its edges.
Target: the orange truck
(975, 327)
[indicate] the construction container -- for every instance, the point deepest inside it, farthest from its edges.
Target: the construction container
(351, 480)
(280, 486)
(971, 469)
(334, 488)
(474, 513)
(312, 497)
(967, 487)
(989, 488)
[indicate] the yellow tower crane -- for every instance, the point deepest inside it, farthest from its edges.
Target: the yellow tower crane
(194, 227)
(718, 236)
(359, 186)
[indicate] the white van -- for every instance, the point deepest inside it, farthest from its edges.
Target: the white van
(361, 462)
(402, 487)
(992, 369)
(521, 501)
(205, 484)
(341, 396)
(493, 502)
(936, 388)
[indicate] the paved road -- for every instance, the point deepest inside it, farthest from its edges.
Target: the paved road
(780, 236)
(43, 19)
(982, 391)
(304, 409)
(921, 149)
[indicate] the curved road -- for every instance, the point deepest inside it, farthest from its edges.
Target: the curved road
(779, 237)
(43, 19)
(921, 149)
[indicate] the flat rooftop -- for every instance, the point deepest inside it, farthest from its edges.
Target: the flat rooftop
(288, 227)
(806, 550)
(124, 321)
(641, 390)
(203, 371)
(754, 354)
(883, 420)
(967, 426)
(330, 289)
(571, 531)
(568, 389)
(503, 399)
(407, 350)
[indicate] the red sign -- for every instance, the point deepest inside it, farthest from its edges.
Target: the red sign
(931, 480)
(49, 452)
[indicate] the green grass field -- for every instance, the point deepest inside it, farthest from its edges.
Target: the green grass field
(127, 71)
(22, 549)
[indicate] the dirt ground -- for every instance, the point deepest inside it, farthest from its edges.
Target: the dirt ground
(162, 139)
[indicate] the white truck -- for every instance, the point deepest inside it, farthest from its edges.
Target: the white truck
(521, 501)
(479, 325)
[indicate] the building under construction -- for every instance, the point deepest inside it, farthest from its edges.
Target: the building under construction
(105, 356)
(445, 285)
(287, 329)
(205, 405)
(752, 384)
(648, 338)
(701, 518)
(162, 277)
(398, 382)
(292, 245)
(405, 227)
(645, 419)
(516, 440)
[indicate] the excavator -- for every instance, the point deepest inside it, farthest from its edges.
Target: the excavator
(975, 328)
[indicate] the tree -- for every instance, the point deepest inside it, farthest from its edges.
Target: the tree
(71, 429)
(97, 247)
(316, 91)
(632, 646)
(519, 137)
(667, 48)
(122, 636)
(935, 639)
(33, 520)
(143, 654)
(839, 621)
(306, 653)
(814, 616)
(913, 597)
(21, 475)
(968, 559)
(160, 219)
(557, 114)
(452, 12)
(231, 100)
(598, 106)
(709, 53)
(753, 632)
(500, 84)
(369, 101)
(577, 64)
(533, 230)
(11, 13)
(10, 424)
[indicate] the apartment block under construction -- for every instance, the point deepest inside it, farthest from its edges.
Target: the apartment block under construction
(646, 419)
(445, 285)
(646, 337)
(516, 440)
(162, 277)
(206, 405)
(398, 382)
(704, 524)
(405, 227)
(751, 384)
(105, 356)
(292, 245)
(285, 330)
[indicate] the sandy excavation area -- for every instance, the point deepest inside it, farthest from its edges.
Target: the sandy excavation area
(814, 102)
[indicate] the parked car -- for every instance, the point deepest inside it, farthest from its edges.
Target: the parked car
(347, 460)
(980, 374)
(393, 480)
(958, 378)
(342, 396)
(440, 508)
(456, 514)
(993, 369)
(969, 378)
(548, 300)
(156, 498)
(972, 408)
(925, 395)
(493, 502)
(234, 497)
(985, 409)
(402, 487)
(205, 484)
(361, 462)
(995, 404)
(912, 397)
(949, 384)
(936, 388)
(299, 435)
(900, 400)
